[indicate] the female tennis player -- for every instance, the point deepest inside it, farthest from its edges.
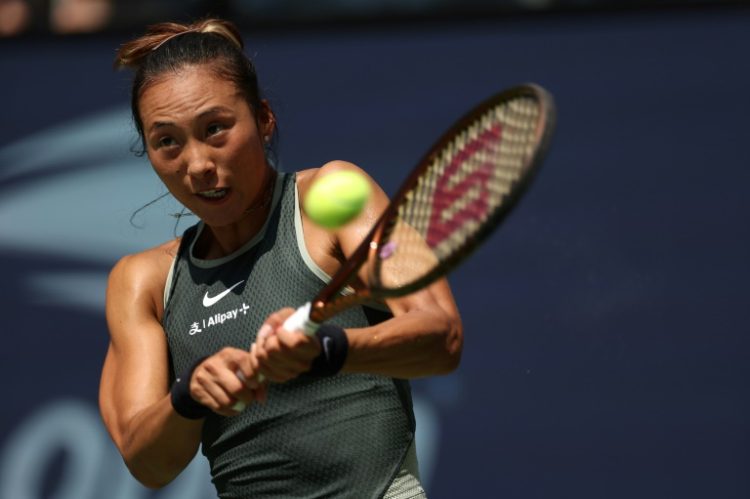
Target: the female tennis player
(198, 355)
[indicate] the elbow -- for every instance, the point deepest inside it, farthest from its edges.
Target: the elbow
(148, 476)
(151, 483)
(150, 471)
(453, 361)
(451, 347)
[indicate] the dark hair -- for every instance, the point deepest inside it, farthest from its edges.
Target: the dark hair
(168, 47)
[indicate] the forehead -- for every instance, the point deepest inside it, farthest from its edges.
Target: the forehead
(186, 91)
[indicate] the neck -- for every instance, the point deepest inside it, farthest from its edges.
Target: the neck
(263, 201)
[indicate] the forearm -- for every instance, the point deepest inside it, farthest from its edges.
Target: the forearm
(154, 441)
(157, 443)
(416, 344)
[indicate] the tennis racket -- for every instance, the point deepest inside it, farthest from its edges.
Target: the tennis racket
(460, 191)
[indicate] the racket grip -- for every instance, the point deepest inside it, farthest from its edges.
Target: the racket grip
(239, 406)
(300, 321)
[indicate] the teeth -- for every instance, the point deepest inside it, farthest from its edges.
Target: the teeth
(213, 193)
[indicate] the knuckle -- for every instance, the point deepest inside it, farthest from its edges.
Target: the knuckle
(273, 346)
(276, 318)
(198, 377)
(298, 340)
(227, 352)
(261, 355)
(253, 365)
(209, 364)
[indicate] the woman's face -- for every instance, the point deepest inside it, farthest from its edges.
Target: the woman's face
(203, 141)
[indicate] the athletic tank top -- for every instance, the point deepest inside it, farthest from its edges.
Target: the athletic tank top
(337, 437)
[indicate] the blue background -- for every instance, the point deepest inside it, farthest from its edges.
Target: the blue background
(606, 327)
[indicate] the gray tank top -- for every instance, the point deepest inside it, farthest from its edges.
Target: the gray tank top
(315, 437)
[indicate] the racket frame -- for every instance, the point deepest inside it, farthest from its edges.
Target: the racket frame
(326, 304)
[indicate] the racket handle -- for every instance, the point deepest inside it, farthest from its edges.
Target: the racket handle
(300, 321)
(239, 406)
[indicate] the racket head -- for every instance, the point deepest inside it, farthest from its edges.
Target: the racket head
(461, 190)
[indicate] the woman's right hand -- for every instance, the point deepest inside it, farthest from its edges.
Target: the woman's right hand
(226, 382)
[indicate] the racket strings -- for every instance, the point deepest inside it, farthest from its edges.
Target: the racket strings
(465, 183)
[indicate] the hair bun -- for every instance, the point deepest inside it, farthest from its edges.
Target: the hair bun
(222, 28)
(131, 54)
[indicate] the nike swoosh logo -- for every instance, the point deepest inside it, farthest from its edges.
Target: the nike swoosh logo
(211, 300)
(327, 346)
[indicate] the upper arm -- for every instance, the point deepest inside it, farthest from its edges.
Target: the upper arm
(135, 373)
(425, 335)
(437, 296)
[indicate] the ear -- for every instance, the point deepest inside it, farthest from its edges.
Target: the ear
(266, 120)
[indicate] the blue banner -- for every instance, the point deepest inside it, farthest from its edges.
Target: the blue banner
(606, 337)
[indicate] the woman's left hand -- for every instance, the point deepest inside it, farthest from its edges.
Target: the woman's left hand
(280, 355)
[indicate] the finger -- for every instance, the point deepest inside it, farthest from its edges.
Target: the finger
(258, 379)
(235, 388)
(267, 372)
(213, 396)
(293, 340)
(279, 368)
(264, 331)
(258, 359)
(276, 319)
(265, 366)
(282, 355)
(226, 392)
(219, 387)
(298, 349)
(251, 382)
(251, 376)
(286, 355)
(247, 371)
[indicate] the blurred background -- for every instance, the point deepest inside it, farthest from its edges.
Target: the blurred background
(606, 323)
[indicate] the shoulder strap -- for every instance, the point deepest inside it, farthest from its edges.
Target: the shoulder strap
(187, 237)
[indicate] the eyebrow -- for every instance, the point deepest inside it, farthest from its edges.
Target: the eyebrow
(214, 110)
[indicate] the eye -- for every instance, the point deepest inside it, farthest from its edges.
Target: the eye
(165, 142)
(214, 128)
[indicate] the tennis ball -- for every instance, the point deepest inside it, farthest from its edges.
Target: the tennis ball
(336, 198)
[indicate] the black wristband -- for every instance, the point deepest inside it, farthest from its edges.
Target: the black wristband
(185, 405)
(334, 347)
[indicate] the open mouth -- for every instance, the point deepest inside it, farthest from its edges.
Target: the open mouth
(213, 194)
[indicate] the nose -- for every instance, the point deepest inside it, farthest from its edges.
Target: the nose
(199, 162)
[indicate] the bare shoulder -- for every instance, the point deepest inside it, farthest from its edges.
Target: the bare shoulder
(141, 277)
(328, 248)
(375, 205)
(148, 264)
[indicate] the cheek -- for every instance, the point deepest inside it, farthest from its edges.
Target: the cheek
(163, 168)
(241, 153)
(170, 176)
(172, 180)
(245, 142)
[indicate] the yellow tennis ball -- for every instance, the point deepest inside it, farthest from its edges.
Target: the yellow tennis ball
(336, 198)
